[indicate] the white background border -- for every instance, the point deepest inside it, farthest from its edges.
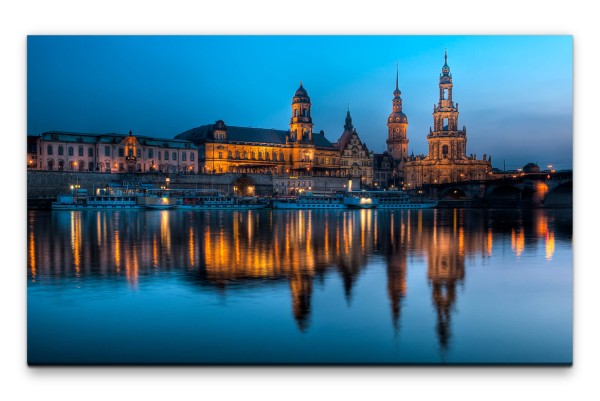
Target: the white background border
(21, 18)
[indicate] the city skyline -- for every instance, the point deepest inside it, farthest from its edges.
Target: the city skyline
(514, 92)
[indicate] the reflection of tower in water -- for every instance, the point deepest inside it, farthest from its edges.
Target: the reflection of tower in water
(446, 269)
(395, 247)
(301, 288)
(396, 284)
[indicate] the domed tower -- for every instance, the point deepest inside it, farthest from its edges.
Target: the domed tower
(301, 124)
(446, 141)
(397, 143)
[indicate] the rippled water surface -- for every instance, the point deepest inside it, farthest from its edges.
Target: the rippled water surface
(274, 286)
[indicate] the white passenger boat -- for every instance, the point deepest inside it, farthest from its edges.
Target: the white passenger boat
(160, 199)
(360, 200)
(102, 199)
(310, 202)
(111, 198)
(218, 201)
(397, 199)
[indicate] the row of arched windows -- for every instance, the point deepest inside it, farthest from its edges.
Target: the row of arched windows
(304, 113)
(165, 156)
(60, 150)
(245, 155)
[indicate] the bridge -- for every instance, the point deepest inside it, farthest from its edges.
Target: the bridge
(544, 189)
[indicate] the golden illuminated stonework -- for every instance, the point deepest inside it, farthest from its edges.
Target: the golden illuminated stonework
(297, 151)
(446, 161)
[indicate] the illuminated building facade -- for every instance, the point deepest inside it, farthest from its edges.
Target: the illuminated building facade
(446, 160)
(110, 153)
(356, 160)
(297, 152)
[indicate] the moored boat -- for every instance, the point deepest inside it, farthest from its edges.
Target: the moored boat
(102, 199)
(397, 199)
(215, 200)
(360, 200)
(160, 199)
(310, 201)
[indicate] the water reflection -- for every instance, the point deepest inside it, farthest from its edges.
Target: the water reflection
(225, 250)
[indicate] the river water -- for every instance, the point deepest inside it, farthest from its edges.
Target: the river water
(438, 286)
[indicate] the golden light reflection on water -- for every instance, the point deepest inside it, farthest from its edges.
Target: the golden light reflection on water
(165, 231)
(191, 247)
(31, 257)
(76, 240)
(227, 247)
(518, 241)
(117, 251)
(154, 251)
(549, 245)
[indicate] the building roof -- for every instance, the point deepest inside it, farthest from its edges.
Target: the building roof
(113, 138)
(301, 95)
(269, 136)
(345, 138)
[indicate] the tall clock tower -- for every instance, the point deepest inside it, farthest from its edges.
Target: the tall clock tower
(446, 141)
(397, 143)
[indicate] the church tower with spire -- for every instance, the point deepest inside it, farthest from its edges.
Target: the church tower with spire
(397, 143)
(447, 160)
(301, 124)
(446, 141)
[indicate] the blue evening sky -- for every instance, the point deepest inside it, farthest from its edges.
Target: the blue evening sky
(515, 93)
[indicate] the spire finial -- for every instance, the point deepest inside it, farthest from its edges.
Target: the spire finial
(445, 56)
(396, 74)
(300, 82)
(130, 133)
(348, 123)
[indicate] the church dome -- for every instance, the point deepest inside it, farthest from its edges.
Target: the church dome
(301, 95)
(397, 117)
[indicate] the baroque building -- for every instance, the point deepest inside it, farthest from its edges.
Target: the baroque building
(446, 161)
(110, 153)
(356, 161)
(296, 152)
